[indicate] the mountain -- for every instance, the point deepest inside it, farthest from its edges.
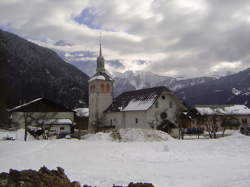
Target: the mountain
(130, 80)
(29, 71)
(231, 89)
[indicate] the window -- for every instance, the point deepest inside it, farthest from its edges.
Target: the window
(111, 122)
(244, 120)
(136, 120)
(156, 104)
(102, 87)
(92, 88)
(62, 128)
(170, 104)
(107, 88)
(163, 97)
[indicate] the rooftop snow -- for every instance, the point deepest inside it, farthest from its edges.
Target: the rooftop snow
(136, 100)
(57, 122)
(82, 112)
(98, 77)
(135, 105)
(223, 110)
(25, 104)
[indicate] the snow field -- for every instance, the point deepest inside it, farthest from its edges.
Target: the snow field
(99, 161)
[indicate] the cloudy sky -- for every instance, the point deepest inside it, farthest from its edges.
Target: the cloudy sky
(168, 37)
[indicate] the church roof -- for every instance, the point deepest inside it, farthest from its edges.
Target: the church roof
(101, 76)
(138, 100)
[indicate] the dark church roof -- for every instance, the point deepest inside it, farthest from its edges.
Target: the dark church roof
(40, 105)
(136, 100)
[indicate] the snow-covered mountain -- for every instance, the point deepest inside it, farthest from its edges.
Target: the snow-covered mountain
(231, 89)
(130, 80)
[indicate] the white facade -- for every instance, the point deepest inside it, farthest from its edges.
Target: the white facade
(100, 97)
(149, 118)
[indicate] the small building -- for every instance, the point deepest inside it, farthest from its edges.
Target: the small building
(39, 112)
(145, 108)
(58, 126)
(82, 118)
(218, 113)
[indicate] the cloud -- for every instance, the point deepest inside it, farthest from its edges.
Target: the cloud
(174, 37)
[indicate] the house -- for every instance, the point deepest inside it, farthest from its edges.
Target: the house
(42, 112)
(58, 126)
(236, 113)
(145, 108)
(82, 118)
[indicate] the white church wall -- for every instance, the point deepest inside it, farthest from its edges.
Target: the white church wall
(165, 103)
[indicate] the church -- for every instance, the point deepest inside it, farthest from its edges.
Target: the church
(145, 108)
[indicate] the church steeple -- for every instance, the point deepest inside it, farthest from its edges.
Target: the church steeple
(100, 61)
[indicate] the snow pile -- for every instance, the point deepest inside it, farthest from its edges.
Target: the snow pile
(100, 136)
(82, 112)
(142, 135)
(15, 135)
(220, 162)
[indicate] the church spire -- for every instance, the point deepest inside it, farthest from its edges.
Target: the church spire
(100, 52)
(100, 60)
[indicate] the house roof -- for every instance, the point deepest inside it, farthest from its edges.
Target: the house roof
(223, 109)
(137, 100)
(40, 105)
(82, 112)
(101, 76)
(57, 122)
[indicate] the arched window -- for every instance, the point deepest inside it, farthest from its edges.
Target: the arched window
(107, 88)
(102, 87)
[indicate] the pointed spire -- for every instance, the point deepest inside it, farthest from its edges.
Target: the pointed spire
(100, 52)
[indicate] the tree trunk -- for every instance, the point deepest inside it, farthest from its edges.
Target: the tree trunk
(25, 129)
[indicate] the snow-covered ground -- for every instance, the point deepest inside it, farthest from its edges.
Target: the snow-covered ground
(99, 161)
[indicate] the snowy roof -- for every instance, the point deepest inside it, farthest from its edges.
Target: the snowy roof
(98, 77)
(136, 100)
(40, 105)
(101, 76)
(57, 122)
(223, 109)
(82, 112)
(25, 104)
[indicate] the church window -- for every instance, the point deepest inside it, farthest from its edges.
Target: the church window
(136, 120)
(102, 87)
(163, 97)
(108, 88)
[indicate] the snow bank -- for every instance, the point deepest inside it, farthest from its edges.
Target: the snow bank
(100, 136)
(130, 135)
(16, 135)
(143, 135)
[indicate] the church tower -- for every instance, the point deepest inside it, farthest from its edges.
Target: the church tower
(100, 93)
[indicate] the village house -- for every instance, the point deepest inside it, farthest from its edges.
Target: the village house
(238, 114)
(145, 108)
(42, 112)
